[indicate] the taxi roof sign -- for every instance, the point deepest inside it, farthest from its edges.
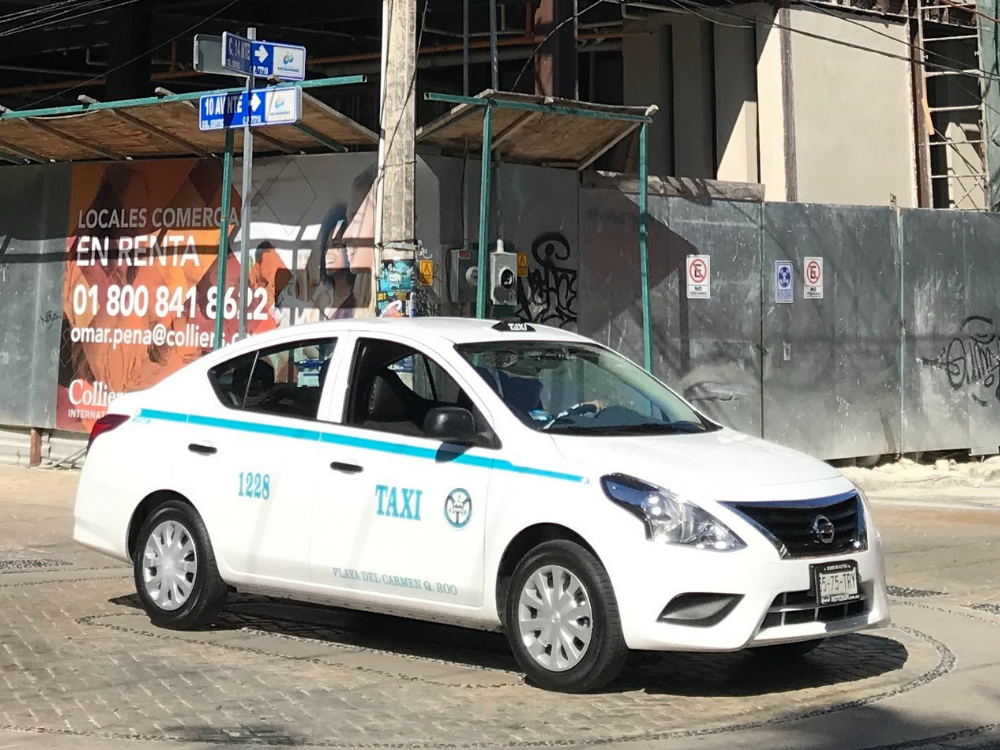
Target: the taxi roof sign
(513, 326)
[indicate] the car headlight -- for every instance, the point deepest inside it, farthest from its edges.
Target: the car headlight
(866, 504)
(667, 518)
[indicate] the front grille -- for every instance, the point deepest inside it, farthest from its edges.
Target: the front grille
(792, 526)
(798, 607)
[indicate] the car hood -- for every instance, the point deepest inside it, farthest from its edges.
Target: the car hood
(722, 465)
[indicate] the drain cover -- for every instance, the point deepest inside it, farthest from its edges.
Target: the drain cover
(6, 565)
(907, 593)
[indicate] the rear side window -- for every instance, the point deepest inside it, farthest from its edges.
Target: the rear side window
(284, 380)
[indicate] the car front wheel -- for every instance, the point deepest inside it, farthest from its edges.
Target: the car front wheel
(174, 567)
(562, 619)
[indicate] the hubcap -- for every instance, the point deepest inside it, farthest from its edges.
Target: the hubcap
(555, 618)
(169, 565)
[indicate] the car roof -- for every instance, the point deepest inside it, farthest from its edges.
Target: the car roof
(454, 330)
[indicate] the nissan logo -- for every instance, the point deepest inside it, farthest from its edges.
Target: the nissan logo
(824, 529)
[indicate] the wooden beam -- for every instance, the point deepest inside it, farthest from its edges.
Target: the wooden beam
(513, 129)
(79, 142)
(159, 133)
(18, 151)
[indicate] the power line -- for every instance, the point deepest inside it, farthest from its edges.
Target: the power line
(62, 16)
(37, 11)
(139, 56)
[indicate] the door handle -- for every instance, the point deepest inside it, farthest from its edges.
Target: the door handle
(203, 450)
(346, 468)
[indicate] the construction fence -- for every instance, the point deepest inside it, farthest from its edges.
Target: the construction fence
(894, 350)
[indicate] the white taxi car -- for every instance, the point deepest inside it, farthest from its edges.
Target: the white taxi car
(486, 474)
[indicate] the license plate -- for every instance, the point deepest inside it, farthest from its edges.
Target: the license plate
(836, 583)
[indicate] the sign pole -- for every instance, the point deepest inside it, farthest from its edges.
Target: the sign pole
(245, 215)
(220, 282)
(647, 323)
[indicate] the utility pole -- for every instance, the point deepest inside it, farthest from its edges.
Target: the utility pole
(395, 223)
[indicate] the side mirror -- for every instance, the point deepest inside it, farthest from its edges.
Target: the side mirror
(451, 424)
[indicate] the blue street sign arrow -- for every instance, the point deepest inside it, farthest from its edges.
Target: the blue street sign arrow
(274, 60)
(236, 52)
(275, 105)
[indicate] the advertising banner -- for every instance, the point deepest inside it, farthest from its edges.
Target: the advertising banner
(140, 297)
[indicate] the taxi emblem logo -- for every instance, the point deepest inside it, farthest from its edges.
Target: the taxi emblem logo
(824, 529)
(458, 508)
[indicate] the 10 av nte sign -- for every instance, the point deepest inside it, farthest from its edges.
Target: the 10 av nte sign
(276, 105)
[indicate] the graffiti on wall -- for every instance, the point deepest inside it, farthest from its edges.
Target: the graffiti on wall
(972, 358)
(548, 294)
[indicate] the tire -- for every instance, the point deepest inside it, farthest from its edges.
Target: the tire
(787, 651)
(192, 597)
(587, 600)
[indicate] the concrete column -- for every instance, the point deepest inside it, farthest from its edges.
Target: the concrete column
(556, 64)
(129, 35)
(694, 145)
(647, 64)
(736, 104)
(398, 126)
(771, 106)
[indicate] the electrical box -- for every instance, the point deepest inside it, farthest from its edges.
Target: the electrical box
(464, 275)
(503, 278)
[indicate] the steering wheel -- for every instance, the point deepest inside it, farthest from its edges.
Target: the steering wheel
(582, 408)
(574, 411)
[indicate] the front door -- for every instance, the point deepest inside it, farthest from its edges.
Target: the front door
(403, 515)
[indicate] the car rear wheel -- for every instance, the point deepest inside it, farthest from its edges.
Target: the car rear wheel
(562, 619)
(174, 567)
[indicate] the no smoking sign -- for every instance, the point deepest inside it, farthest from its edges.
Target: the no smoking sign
(813, 279)
(699, 277)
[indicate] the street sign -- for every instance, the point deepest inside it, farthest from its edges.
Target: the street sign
(275, 105)
(207, 56)
(783, 292)
(699, 277)
(813, 288)
(236, 51)
(273, 60)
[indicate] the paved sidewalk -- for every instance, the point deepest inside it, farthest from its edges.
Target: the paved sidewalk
(82, 667)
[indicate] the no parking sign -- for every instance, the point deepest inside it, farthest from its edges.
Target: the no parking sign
(699, 277)
(813, 288)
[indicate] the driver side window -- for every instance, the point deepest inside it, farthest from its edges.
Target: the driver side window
(394, 387)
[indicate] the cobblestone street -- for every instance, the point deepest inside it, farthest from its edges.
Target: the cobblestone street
(82, 666)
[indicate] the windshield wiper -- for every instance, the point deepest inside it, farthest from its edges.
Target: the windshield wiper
(643, 428)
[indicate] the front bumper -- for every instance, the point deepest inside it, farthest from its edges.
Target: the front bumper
(773, 608)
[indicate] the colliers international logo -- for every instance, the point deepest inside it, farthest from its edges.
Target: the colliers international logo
(458, 508)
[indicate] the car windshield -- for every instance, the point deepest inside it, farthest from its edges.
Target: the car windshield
(580, 389)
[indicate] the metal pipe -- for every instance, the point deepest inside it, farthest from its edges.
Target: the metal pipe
(465, 47)
(494, 64)
(247, 211)
(380, 169)
(73, 109)
(647, 331)
(224, 205)
(484, 211)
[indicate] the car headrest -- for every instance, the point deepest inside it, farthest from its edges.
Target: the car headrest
(385, 399)
(488, 376)
(253, 379)
(323, 370)
(523, 394)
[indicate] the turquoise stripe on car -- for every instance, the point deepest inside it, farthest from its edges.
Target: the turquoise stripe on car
(352, 441)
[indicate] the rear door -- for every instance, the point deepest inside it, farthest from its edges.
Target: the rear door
(262, 499)
(402, 515)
